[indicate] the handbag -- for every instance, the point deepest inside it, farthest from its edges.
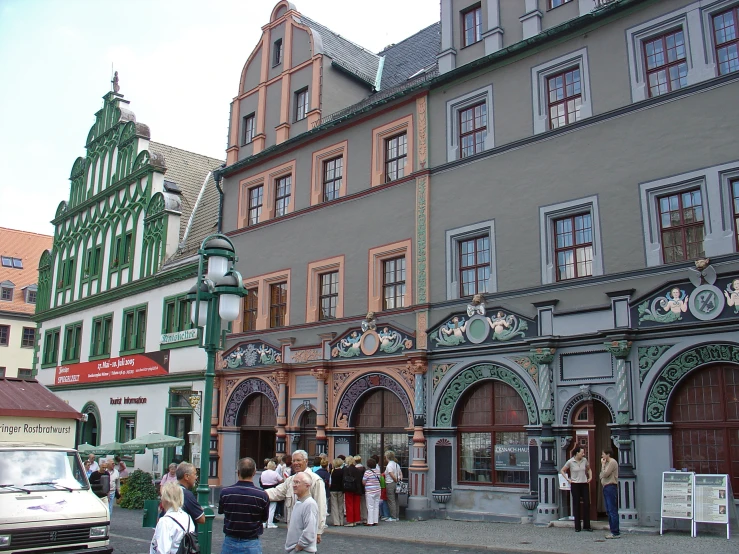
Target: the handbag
(382, 481)
(401, 487)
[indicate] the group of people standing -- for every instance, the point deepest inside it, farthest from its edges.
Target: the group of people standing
(105, 477)
(580, 476)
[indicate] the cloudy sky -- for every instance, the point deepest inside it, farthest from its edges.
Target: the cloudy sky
(179, 63)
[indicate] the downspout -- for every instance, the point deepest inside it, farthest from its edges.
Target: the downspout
(217, 177)
(195, 209)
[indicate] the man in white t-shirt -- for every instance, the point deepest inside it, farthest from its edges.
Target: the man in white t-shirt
(93, 464)
(393, 475)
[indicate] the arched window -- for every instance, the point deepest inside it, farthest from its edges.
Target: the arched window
(705, 415)
(493, 445)
(380, 422)
(257, 419)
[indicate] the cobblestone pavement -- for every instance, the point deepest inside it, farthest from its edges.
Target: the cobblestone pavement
(441, 536)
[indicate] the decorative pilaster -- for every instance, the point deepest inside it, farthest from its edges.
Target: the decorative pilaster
(281, 377)
(548, 509)
(418, 503)
(321, 374)
(620, 350)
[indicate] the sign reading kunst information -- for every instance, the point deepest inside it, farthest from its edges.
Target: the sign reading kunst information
(114, 369)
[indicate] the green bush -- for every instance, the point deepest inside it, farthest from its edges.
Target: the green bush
(139, 488)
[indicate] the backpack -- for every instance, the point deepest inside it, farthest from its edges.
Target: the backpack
(189, 543)
(350, 483)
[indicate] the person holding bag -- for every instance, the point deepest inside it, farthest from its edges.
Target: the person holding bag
(393, 475)
(352, 491)
(172, 527)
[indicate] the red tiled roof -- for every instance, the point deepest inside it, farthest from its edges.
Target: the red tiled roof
(28, 247)
(21, 398)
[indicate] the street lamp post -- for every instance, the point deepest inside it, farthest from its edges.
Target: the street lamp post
(216, 297)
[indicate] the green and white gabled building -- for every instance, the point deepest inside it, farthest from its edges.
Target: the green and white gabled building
(114, 334)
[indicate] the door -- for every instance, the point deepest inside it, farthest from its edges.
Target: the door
(258, 419)
(90, 429)
(308, 434)
(592, 433)
(181, 425)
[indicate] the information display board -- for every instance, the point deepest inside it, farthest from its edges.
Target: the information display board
(714, 500)
(677, 497)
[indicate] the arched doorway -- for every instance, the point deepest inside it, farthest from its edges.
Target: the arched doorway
(257, 420)
(308, 434)
(590, 430)
(493, 443)
(704, 411)
(380, 422)
(90, 429)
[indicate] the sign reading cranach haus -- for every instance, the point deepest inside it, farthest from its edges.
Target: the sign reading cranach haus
(114, 369)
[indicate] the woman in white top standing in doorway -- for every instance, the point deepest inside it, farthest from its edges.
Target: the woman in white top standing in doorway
(393, 474)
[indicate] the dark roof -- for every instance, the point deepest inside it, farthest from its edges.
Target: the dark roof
(410, 56)
(349, 56)
(21, 398)
(188, 170)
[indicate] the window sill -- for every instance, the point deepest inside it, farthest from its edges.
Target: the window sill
(131, 352)
(66, 362)
(50, 365)
(478, 41)
(99, 357)
(27, 347)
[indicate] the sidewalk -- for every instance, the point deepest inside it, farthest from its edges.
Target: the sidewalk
(563, 540)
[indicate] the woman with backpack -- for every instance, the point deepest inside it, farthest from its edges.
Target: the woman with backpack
(352, 491)
(174, 525)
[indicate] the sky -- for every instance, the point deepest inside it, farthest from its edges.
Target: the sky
(178, 62)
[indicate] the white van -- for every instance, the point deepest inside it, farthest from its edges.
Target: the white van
(46, 504)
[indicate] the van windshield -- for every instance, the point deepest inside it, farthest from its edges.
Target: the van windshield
(41, 469)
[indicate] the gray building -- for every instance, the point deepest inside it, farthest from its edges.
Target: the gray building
(561, 190)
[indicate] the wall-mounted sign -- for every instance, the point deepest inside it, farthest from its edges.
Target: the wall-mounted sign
(46, 430)
(179, 336)
(511, 457)
(129, 400)
(114, 369)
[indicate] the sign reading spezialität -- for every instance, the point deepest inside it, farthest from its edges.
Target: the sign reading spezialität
(179, 336)
(711, 499)
(114, 369)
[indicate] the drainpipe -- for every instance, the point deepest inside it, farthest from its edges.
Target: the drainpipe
(217, 177)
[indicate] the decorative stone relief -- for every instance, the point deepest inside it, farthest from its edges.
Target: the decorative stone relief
(671, 373)
(421, 185)
(364, 383)
(526, 363)
(305, 355)
(251, 355)
(338, 379)
(228, 385)
(468, 377)
(406, 373)
(479, 328)
(243, 390)
(732, 295)
(439, 372)
(369, 342)
(586, 395)
(648, 355)
(421, 326)
(672, 306)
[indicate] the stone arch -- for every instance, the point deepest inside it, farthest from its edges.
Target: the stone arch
(243, 390)
(582, 397)
(472, 375)
(297, 415)
(364, 384)
(665, 382)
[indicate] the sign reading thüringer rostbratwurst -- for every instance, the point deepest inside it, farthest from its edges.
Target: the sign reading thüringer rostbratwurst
(114, 369)
(60, 432)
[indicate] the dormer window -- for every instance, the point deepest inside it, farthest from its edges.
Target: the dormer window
(277, 53)
(29, 293)
(15, 263)
(6, 291)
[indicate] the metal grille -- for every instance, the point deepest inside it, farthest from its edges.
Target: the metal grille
(34, 538)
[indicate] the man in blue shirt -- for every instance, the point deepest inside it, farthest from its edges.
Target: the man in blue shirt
(186, 476)
(245, 508)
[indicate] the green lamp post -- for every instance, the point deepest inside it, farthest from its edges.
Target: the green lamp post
(214, 299)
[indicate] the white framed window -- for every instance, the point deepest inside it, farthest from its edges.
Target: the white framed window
(459, 126)
(713, 188)
(470, 257)
(721, 25)
(572, 98)
(677, 61)
(584, 217)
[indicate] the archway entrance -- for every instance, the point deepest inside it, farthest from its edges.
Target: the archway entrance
(90, 428)
(308, 434)
(704, 411)
(257, 419)
(380, 421)
(590, 431)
